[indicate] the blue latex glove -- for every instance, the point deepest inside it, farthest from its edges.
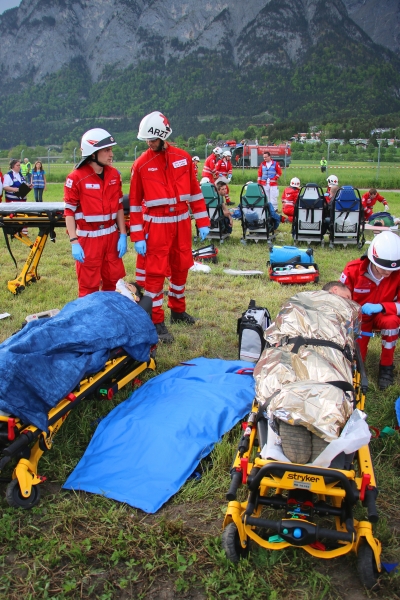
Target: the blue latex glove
(78, 253)
(371, 309)
(229, 177)
(140, 247)
(203, 232)
(122, 245)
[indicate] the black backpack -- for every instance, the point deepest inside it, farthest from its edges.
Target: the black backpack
(250, 329)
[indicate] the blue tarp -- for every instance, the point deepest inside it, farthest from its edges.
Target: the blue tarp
(46, 360)
(147, 447)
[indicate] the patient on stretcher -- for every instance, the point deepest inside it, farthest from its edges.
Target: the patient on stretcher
(305, 374)
(133, 291)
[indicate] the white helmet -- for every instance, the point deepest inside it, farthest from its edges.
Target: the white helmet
(204, 180)
(93, 140)
(153, 126)
(227, 154)
(295, 182)
(332, 180)
(196, 158)
(217, 150)
(384, 251)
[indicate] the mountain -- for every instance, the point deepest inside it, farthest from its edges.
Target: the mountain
(68, 65)
(379, 19)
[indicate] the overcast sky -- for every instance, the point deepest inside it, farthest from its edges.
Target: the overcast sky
(5, 4)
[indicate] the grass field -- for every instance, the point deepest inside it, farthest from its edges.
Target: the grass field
(85, 546)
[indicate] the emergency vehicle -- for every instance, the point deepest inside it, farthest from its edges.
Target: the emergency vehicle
(253, 154)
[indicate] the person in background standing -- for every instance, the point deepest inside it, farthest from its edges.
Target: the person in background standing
(196, 161)
(1, 186)
(26, 168)
(209, 168)
(224, 169)
(38, 181)
(323, 164)
(268, 174)
(12, 181)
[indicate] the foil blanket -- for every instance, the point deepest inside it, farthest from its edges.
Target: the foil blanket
(294, 387)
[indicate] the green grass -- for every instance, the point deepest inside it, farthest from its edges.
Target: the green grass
(85, 546)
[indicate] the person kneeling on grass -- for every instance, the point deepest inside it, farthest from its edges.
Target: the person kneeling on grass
(374, 282)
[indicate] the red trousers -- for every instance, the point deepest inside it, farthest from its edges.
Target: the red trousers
(102, 266)
(288, 210)
(168, 254)
(389, 328)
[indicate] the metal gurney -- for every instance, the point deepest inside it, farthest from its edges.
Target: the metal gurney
(16, 215)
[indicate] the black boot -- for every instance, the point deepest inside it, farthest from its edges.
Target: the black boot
(385, 376)
(182, 317)
(164, 336)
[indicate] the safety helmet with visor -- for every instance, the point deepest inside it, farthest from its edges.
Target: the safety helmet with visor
(196, 158)
(154, 126)
(227, 154)
(94, 140)
(384, 251)
(217, 150)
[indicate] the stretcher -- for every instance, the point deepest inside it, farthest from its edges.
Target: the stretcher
(25, 444)
(292, 505)
(14, 216)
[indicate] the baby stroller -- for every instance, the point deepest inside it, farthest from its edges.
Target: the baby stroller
(310, 214)
(346, 218)
(291, 503)
(214, 208)
(257, 223)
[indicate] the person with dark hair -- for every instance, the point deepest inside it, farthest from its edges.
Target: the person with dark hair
(222, 189)
(268, 174)
(94, 215)
(38, 181)
(369, 199)
(13, 181)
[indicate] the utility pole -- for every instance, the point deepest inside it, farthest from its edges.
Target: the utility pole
(379, 159)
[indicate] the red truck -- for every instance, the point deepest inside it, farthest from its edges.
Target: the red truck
(251, 155)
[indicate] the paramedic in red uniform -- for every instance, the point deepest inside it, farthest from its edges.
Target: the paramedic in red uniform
(374, 282)
(94, 215)
(209, 168)
(369, 200)
(289, 198)
(268, 174)
(163, 180)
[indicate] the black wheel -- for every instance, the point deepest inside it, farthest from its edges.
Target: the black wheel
(214, 260)
(366, 566)
(15, 498)
(231, 544)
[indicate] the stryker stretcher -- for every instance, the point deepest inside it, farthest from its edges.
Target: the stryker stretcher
(94, 345)
(14, 216)
(289, 501)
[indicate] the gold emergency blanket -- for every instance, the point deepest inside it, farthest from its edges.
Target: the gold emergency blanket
(278, 366)
(320, 407)
(295, 386)
(318, 315)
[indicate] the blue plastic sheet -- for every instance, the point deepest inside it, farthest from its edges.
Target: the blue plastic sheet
(47, 359)
(147, 447)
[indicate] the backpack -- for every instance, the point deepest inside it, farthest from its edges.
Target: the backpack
(250, 329)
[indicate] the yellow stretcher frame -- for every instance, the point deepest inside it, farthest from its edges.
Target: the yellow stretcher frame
(333, 484)
(23, 490)
(17, 215)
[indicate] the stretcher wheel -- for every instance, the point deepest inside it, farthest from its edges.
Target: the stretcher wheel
(366, 566)
(15, 498)
(231, 544)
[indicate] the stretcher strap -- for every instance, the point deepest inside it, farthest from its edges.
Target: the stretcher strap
(8, 245)
(299, 341)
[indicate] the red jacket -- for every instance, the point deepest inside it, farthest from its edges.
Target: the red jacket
(364, 290)
(93, 201)
(209, 170)
(223, 167)
(164, 179)
(290, 195)
(369, 202)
